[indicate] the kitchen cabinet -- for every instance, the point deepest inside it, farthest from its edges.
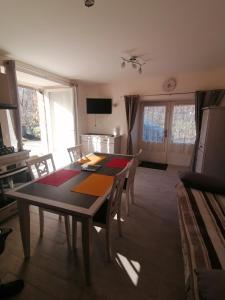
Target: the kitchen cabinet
(104, 143)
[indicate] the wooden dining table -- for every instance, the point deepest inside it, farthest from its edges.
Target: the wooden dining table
(62, 200)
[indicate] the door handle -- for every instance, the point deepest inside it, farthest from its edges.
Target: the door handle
(165, 133)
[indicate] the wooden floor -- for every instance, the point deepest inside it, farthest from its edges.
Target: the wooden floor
(147, 259)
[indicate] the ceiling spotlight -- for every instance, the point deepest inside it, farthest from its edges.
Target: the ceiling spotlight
(135, 61)
(89, 3)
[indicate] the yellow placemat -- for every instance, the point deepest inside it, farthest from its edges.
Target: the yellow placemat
(95, 185)
(91, 159)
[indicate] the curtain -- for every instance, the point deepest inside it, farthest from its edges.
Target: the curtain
(75, 103)
(61, 131)
(11, 73)
(131, 105)
(204, 99)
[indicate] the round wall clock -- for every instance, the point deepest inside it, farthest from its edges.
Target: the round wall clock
(169, 85)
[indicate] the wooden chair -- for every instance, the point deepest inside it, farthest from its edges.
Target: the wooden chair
(129, 182)
(75, 153)
(111, 207)
(38, 167)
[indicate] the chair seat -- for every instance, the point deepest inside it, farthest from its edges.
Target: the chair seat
(101, 214)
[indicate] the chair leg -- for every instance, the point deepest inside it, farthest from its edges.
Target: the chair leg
(41, 218)
(127, 202)
(74, 233)
(108, 244)
(67, 227)
(132, 193)
(119, 221)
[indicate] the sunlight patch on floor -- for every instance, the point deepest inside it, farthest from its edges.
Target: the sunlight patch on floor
(131, 267)
(121, 219)
(98, 229)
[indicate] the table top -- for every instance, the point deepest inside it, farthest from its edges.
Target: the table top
(61, 197)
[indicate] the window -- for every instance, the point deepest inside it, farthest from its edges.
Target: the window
(183, 124)
(154, 124)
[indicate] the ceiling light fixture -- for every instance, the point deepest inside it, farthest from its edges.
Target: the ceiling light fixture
(134, 60)
(89, 3)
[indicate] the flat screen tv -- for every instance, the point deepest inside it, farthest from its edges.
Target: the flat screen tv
(99, 106)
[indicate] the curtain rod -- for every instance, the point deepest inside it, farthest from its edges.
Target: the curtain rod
(168, 94)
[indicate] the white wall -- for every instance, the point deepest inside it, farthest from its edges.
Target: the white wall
(187, 82)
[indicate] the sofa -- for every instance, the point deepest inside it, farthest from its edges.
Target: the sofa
(201, 212)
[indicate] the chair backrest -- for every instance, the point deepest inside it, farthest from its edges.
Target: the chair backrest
(137, 155)
(133, 168)
(116, 193)
(75, 153)
(40, 166)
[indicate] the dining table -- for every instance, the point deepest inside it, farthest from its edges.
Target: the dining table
(63, 199)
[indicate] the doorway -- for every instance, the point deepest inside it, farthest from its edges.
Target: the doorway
(32, 111)
(47, 119)
(167, 132)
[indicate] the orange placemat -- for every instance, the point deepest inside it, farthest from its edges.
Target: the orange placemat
(95, 185)
(91, 159)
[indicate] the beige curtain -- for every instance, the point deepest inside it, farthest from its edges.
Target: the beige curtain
(11, 73)
(75, 103)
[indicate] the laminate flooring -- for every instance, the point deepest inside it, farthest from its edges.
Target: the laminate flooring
(147, 261)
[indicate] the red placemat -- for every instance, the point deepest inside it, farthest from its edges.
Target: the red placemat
(58, 177)
(117, 163)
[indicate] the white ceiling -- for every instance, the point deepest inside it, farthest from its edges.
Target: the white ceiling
(35, 81)
(65, 37)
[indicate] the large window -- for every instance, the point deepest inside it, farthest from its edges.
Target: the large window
(183, 124)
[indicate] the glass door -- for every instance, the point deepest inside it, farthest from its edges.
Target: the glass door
(182, 134)
(60, 123)
(167, 132)
(153, 135)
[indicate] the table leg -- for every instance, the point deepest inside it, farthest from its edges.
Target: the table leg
(74, 233)
(87, 241)
(24, 218)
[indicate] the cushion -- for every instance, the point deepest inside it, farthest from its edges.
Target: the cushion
(211, 284)
(203, 182)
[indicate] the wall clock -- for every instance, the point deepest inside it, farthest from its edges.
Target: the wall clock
(169, 85)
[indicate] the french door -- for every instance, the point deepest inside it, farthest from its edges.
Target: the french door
(154, 119)
(48, 122)
(167, 132)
